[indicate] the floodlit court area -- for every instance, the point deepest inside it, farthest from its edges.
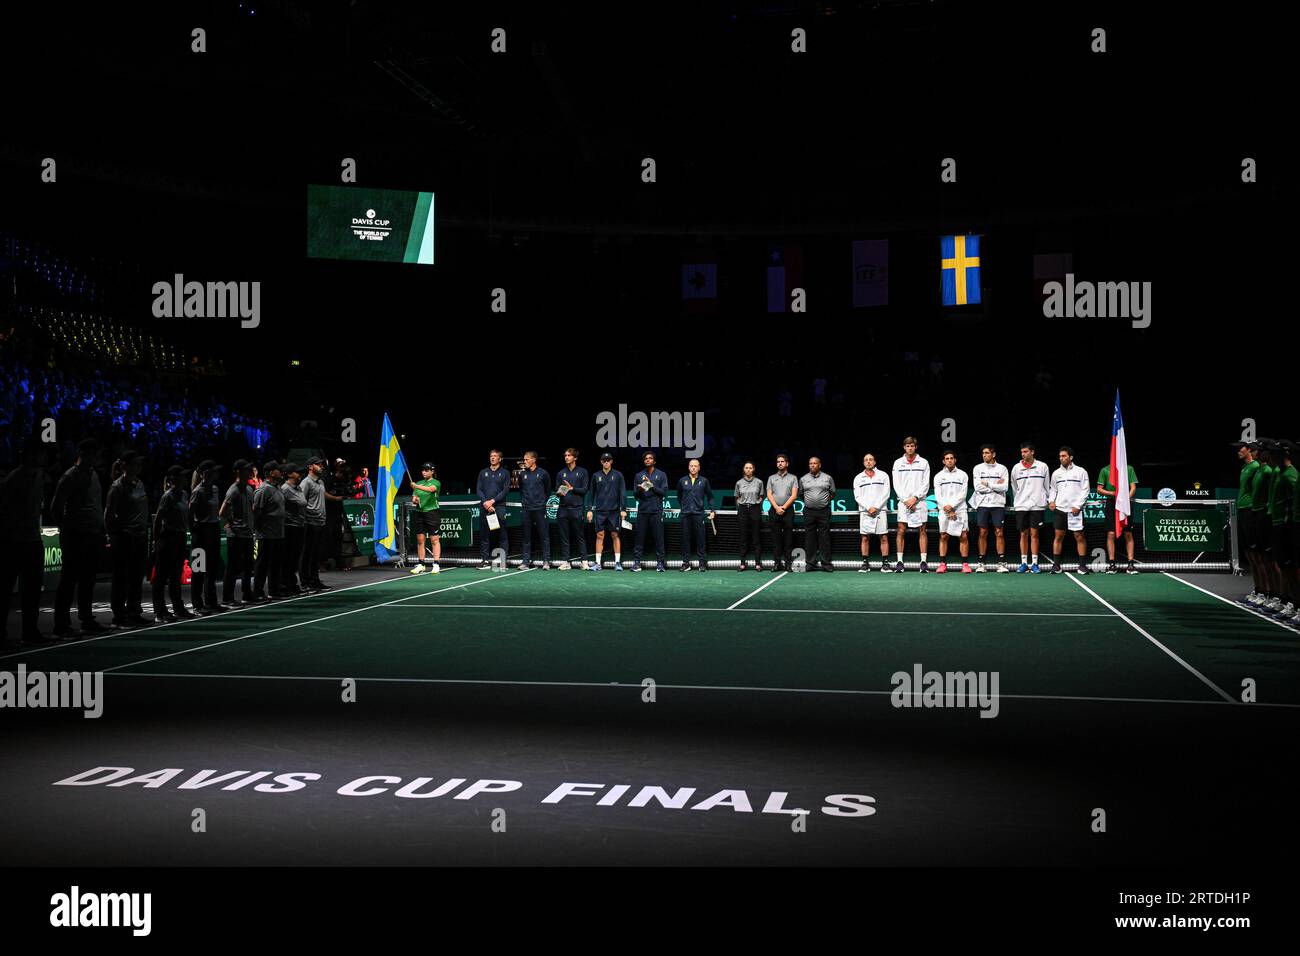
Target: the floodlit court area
(671, 718)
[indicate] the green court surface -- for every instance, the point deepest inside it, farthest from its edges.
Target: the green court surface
(1125, 639)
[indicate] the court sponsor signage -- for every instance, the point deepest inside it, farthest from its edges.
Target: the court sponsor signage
(1181, 529)
(626, 796)
(360, 513)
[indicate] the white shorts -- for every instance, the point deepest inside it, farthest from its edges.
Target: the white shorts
(953, 524)
(874, 524)
(915, 518)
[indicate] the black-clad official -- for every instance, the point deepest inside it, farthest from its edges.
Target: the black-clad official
(126, 518)
(237, 518)
(268, 530)
(22, 553)
(77, 510)
(206, 566)
(169, 526)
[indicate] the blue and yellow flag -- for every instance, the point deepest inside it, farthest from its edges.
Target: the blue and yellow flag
(392, 470)
(959, 259)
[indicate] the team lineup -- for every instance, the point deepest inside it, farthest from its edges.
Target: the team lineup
(1034, 493)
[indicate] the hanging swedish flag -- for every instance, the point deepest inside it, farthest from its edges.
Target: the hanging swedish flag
(392, 471)
(959, 259)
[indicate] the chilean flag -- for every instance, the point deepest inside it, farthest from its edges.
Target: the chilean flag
(1119, 470)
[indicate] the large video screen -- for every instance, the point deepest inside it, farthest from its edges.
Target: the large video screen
(372, 225)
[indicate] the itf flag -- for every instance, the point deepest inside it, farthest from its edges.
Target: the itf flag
(392, 469)
(870, 272)
(960, 265)
(1119, 470)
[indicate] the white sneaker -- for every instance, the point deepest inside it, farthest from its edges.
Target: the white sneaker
(434, 569)
(586, 565)
(1252, 598)
(1002, 567)
(563, 566)
(418, 569)
(1286, 610)
(979, 568)
(1273, 604)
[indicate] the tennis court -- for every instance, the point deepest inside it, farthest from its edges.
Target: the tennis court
(1151, 637)
(764, 682)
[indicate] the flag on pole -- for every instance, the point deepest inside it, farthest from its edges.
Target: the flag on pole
(1119, 470)
(392, 469)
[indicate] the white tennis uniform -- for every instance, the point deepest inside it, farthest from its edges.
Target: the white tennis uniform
(872, 491)
(1070, 490)
(1029, 486)
(990, 484)
(950, 488)
(912, 478)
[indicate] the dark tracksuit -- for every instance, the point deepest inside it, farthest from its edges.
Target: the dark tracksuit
(494, 486)
(77, 510)
(569, 514)
(268, 528)
(534, 490)
(169, 551)
(126, 516)
(205, 535)
(295, 517)
(22, 553)
(649, 512)
(696, 500)
(239, 541)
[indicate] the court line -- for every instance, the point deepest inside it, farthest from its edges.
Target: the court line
(1240, 607)
(639, 687)
(1201, 677)
(748, 610)
(330, 617)
(767, 584)
(224, 614)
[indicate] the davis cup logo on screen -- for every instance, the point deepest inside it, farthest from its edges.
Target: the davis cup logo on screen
(370, 220)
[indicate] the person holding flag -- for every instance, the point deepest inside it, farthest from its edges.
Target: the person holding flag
(392, 471)
(1119, 501)
(425, 517)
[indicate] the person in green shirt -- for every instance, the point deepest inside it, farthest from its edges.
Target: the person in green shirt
(1245, 510)
(1279, 510)
(1262, 526)
(1107, 488)
(425, 517)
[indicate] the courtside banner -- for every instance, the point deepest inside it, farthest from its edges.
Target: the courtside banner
(1182, 529)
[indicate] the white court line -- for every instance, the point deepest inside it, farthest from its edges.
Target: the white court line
(757, 589)
(1201, 677)
(748, 610)
(330, 617)
(638, 687)
(224, 614)
(1240, 607)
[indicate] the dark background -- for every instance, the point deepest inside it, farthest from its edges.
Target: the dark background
(171, 161)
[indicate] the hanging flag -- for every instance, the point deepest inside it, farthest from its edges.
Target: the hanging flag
(870, 272)
(1119, 470)
(784, 274)
(1051, 267)
(392, 470)
(960, 267)
(700, 280)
